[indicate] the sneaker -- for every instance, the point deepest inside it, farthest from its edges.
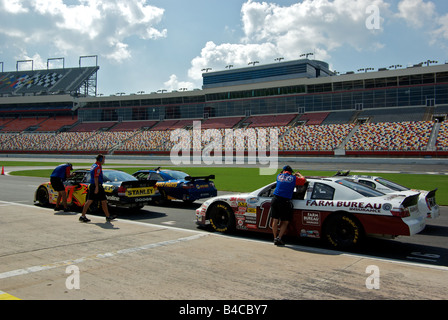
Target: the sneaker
(110, 218)
(84, 219)
(67, 210)
(57, 209)
(278, 242)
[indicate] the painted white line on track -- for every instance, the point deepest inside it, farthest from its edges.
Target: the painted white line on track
(33, 269)
(296, 247)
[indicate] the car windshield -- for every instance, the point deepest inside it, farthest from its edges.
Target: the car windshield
(115, 176)
(176, 175)
(361, 189)
(391, 185)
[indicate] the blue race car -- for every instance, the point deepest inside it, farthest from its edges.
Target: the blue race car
(173, 184)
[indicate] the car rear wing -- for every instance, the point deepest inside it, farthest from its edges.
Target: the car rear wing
(407, 208)
(410, 201)
(207, 178)
(431, 198)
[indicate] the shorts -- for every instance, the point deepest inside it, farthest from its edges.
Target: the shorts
(281, 209)
(57, 184)
(100, 196)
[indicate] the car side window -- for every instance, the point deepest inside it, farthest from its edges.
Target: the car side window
(86, 177)
(367, 183)
(268, 192)
(155, 176)
(78, 177)
(142, 175)
(322, 192)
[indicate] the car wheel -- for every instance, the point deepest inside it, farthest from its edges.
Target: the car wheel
(162, 200)
(222, 218)
(342, 231)
(42, 196)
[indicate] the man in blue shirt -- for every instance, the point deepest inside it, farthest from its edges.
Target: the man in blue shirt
(57, 178)
(281, 206)
(96, 191)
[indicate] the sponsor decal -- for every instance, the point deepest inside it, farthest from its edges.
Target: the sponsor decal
(251, 210)
(167, 184)
(253, 200)
(108, 188)
(309, 233)
(137, 192)
(311, 218)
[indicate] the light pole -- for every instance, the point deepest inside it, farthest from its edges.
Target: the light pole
(253, 63)
(206, 69)
(307, 54)
(428, 62)
(365, 69)
(279, 59)
(229, 66)
(395, 66)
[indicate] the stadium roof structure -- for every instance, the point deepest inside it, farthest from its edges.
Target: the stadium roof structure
(80, 81)
(295, 69)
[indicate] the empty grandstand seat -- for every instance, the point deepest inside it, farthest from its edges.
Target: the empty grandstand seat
(221, 123)
(92, 126)
(21, 124)
(271, 120)
(133, 125)
(56, 123)
(314, 118)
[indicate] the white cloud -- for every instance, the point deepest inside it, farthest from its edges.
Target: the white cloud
(416, 13)
(442, 30)
(271, 30)
(174, 84)
(12, 6)
(218, 56)
(419, 14)
(81, 27)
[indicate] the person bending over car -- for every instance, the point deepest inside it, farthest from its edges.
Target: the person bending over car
(57, 178)
(96, 191)
(281, 205)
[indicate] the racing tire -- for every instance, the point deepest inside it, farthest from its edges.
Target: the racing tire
(163, 200)
(342, 231)
(222, 218)
(42, 196)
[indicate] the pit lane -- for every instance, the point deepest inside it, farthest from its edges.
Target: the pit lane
(427, 247)
(407, 264)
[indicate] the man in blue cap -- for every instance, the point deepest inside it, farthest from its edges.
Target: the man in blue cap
(281, 206)
(57, 178)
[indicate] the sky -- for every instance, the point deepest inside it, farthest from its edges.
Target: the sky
(151, 45)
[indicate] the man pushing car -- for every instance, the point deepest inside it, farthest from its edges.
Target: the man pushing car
(281, 206)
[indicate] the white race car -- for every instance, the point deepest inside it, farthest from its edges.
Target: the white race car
(426, 202)
(339, 211)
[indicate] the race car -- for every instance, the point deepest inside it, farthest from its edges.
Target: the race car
(339, 211)
(122, 190)
(174, 184)
(426, 202)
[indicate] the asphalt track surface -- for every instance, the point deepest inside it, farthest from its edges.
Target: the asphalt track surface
(411, 267)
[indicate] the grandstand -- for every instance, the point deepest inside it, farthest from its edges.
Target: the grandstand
(400, 112)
